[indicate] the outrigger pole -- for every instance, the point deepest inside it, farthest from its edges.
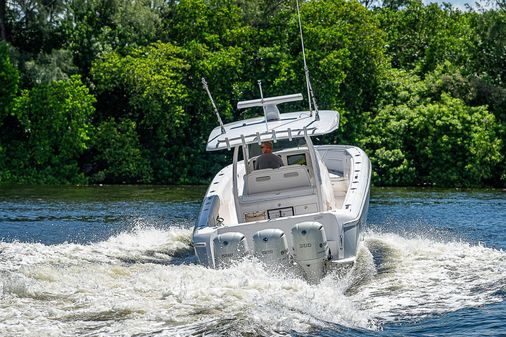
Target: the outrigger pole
(310, 92)
(206, 88)
(263, 106)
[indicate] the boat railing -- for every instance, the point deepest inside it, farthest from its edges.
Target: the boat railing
(259, 137)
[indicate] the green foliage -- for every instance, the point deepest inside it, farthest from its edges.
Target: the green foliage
(415, 140)
(422, 36)
(260, 13)
(117, 154)
(488, 61)
(457, 144)
(54, 122)
(388, 147)
(421, 87)
(46, 68)
(97, 26)
(34, 26)
(345, 52)
(152, 78)
(489, 43)
(212, 22)
(166, 101)
(9, 80)
(135, 23)
(488, 64)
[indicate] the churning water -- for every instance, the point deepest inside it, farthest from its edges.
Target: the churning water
(118, 262)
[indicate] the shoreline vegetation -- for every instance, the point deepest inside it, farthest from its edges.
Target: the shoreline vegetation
(108, 91)
(186, 193)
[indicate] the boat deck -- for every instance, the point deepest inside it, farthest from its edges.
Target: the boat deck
(339, 188)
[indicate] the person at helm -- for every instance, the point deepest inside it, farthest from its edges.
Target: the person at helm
(267, 159)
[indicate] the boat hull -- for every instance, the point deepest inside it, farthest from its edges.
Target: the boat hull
(343, 223)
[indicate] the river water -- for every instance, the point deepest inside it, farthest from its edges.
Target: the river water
(117, 261)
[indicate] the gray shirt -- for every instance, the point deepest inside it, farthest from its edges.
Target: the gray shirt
(268, 160)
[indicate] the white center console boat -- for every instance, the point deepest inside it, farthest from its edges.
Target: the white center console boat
(307, 214)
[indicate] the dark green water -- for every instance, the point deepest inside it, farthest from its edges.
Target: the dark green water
(102, 193)
(117, 261)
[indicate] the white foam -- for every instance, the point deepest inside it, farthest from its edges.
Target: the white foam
(141, 245)
(122, 287)
(419, 277)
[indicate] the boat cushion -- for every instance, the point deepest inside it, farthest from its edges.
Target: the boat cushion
(273, 180)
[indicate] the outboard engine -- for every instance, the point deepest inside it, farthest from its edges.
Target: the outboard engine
(271, 246)
(229, 247)
(310, 249)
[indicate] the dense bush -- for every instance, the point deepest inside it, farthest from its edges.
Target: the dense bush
(444, 143)
(52, 124)
(9, 80)
(116, 155)
(421, 135)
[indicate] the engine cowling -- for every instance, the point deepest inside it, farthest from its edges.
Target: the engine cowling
(229, 247)
(270, 246)
(310, 249)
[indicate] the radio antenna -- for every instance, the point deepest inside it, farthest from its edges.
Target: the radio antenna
(310, 92)
(206, 88)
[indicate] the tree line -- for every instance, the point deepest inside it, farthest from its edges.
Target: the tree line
(108, 91)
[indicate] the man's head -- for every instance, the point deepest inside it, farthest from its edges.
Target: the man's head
(266, 147)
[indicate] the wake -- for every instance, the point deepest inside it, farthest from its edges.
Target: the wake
(418, 277)
(147, 281)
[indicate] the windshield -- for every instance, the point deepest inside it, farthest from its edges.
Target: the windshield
(255, 150)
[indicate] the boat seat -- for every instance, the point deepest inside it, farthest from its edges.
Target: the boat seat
(284, 194)
(274, 180)
(339, 183)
